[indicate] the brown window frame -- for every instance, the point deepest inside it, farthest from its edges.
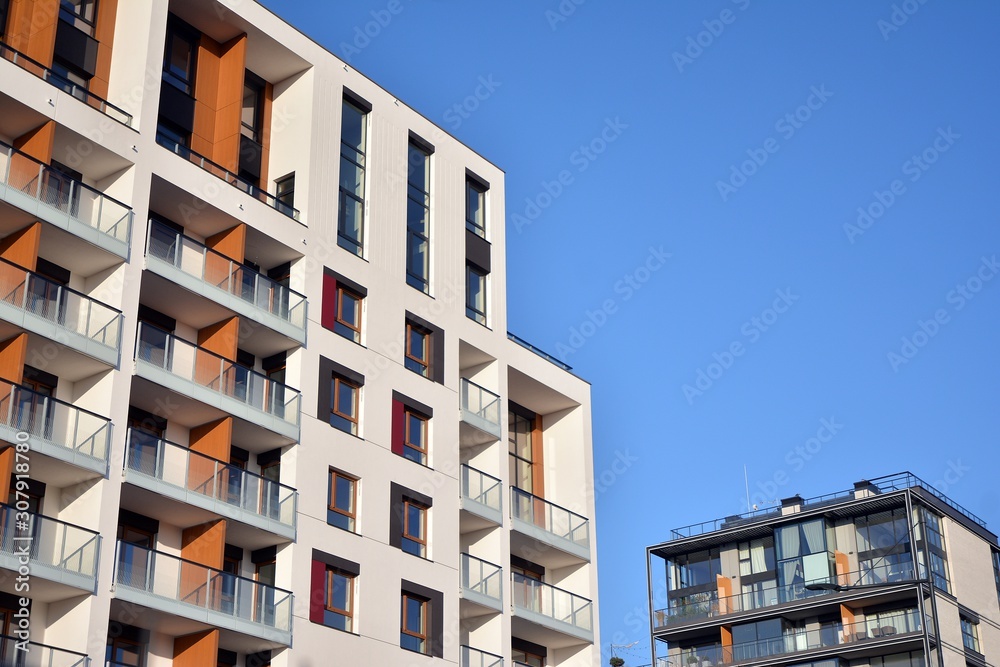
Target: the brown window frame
(422, 634)
(341, 291)
(328, 594)
(353, 419)
(408, 445)
(352, 515)
(423, 362)
(422, 541)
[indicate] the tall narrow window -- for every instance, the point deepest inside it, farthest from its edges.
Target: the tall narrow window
(418, 342)
(343, 501)
(339, 599)
(970, 634)
(284, 193)
(475, 207)
(475, 293)
(414, 528)
(521, 455)
(353, 139)
(344, 408)
(413, 623)
(253, 106)
(415, 438)
(418, 204)
(931, 543)
(179, 57)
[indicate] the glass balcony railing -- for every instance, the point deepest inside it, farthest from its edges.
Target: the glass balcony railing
(74, 90)
(480, 408)
(228, 176)
(197, 366)
(38, 303)
(88, 213)
(169, 248)
(161, 581)
(550, 518)
(470, 657)
(709, 605)
(482, 493)
(178, 471)
(56, 550)
(546, 602)
(483, 580)
(17, 653)
(56, 428)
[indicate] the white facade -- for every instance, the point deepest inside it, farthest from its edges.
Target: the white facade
(173, 340)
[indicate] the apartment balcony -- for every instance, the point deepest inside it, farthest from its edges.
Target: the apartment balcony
(62, 557)
(480, 414)
(260, 614)
(710, 606)
(470, 657)
(55, 428)
(54, 311)
(45, 74)
(482, 586)
(204, 272)
(548, 615)
(536, 522)
(54, 197)
(482, 500)
(204, 376)
(228, 176)
(177, 473)
(864, 638)
(34, 654)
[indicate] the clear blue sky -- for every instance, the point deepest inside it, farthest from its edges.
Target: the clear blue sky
(880, 109)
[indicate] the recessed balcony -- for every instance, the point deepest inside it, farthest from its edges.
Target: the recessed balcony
(187, 589)
(55, 311)
(536, 520)
(482, 585)
(480, 411)
(546, 607)
(233, 285)
(62, 557)
(56, 198)
(197, 373)
(55, 428)
(470, 657)
(482, 499)
(44, 73)
(18, 653)
(178, 473)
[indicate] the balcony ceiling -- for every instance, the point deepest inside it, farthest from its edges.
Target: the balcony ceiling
(16, 118)
(532, 394)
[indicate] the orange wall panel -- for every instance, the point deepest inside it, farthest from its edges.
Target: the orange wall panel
(265, 136)
(7, 457)
(212, 439)
(197, 650)
(21, 248)
(31, 28)
(12, 354)
(219, 95)
(725, 590)
(38, 142)
(206, 545)
(104, 33)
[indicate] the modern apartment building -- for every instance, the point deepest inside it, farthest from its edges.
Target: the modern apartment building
(891, 573)
(260, 405)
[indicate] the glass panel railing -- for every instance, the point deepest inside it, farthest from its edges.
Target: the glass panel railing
(555, 603)
(484, 489)
(482, 577)
(18, 653)
(49, 542)
(228, 176)
(66, 308)
(550, 517)
(189, 362)
(482, 403)
(188, 470)
(162, 576)
(42, 72)
(53, 188)
(221, 272)
(709, 604)
(47, 418)
(471, 657)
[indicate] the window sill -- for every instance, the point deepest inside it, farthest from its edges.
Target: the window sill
(343, 530)
(346, 632)
(347, 433)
